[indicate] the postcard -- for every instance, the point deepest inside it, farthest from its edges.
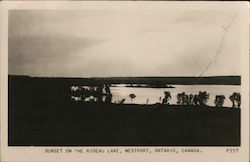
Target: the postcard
(124, 81)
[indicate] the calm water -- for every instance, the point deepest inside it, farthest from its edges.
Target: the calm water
(153, 94)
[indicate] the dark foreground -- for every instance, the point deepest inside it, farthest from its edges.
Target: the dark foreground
(36, 118)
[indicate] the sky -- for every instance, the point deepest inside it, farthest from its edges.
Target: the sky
(114, 43)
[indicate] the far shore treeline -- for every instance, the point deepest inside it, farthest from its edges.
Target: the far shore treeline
(211, 80)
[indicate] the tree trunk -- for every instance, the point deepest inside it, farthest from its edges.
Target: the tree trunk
(233, 104)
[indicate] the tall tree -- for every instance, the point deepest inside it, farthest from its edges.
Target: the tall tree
(166, 98)
(203, 97)
(235, 97)
(132, 96)
(219, 100)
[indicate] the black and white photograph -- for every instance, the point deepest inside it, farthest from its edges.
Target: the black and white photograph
(126, 76)
(121, 77)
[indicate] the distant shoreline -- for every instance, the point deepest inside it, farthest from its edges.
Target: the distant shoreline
(211, 80)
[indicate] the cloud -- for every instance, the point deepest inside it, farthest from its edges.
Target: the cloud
(44, 50)
(94, 43)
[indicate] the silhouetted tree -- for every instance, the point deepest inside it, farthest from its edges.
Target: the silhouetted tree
(238, 100)
(202, 98)
(182, 99)
(185, 99)
(232, 99)
(99, 88)
(132, 96)
(99, 93)
(107, 89)
(195, 100)
(235, 97)
(190, 99)
(219, 100)
(166, 97)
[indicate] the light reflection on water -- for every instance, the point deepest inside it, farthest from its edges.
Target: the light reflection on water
(153, 94)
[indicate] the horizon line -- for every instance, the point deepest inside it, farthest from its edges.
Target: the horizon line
(128, 76)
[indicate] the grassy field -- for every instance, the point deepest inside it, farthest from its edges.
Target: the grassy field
(41, 115)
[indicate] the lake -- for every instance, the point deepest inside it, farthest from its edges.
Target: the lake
(120, 92)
